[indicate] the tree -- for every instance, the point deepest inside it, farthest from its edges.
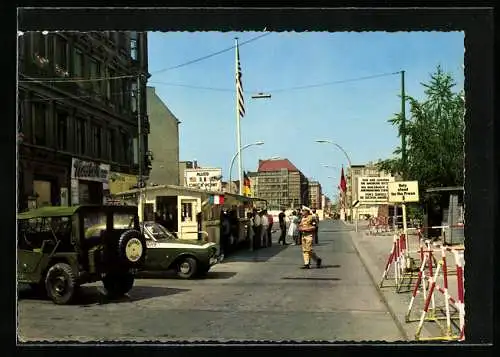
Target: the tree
(434, 135)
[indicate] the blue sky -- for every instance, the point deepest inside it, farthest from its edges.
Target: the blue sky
(352, 114)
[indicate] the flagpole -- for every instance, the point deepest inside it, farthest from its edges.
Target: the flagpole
(238, 127)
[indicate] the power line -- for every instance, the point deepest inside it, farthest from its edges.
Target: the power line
(331, 83)
(38, 100)
(279, 90)
(211, 55)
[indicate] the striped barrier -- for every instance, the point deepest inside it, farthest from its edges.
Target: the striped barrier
(430, 286)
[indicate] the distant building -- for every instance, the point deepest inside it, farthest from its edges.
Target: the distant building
(315, 195)
(183, 165)
(163, 141)
(281, 184)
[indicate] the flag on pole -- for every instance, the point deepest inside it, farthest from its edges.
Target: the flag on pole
(343, 183)
(239, 85)
(246, 185)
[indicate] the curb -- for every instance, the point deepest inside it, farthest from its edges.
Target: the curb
(400, 323)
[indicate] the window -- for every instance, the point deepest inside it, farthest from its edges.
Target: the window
(187, 212)
(126, 147)
(112, 143)
(96, 141)
(62, 131)
(133, 45)
(39, 44)
(61, 59)
(40, 122)
(133, 96)
(80, 136)
(78, 64)
(95, 72)
(94, 224)
(123, 221)
(119, 91)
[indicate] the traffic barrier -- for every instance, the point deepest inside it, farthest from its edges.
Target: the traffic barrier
(399, 261)
(429, 285)
(377, 225)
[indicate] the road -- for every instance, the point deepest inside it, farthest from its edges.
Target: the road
(251, 296)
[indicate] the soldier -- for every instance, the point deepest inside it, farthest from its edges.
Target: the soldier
(307, 228)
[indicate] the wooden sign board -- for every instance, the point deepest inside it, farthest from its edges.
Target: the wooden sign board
(403, 191)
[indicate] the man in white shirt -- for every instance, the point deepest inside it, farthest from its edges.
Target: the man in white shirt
(257, 225)
(265, 226)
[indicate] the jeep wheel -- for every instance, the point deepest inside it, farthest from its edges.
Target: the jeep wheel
(187, 268)
(118, 284)
(132, 248)
(60, 283)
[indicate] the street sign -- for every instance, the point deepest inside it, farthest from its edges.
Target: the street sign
(373, 190)
(403, 191)
(355, 203)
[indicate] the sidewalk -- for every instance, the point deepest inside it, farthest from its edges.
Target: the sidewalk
(374, 251)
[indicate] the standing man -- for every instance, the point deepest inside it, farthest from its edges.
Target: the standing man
(257, 226)
(270, 229)
(316, 225)
(307, 228)
(265, 225)
(281, 219)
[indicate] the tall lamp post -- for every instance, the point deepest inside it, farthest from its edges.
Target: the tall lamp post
(234, 158)
(350, 169)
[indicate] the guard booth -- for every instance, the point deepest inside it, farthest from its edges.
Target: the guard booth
(191, 213)
(449, 216)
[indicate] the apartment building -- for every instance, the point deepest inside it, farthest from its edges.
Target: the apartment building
(77, 114)
(315, 194)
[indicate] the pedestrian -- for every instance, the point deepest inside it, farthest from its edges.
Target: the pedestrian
(257, 227)
(307, 228)
(225, 233)
(316, 225)
(270, 229)
(250, 231)
(282, 223)
(265, 225)
(293, 230)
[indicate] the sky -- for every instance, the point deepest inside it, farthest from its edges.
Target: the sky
(352, 112)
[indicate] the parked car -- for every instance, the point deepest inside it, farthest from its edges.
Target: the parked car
(61, 248)
(189, 258)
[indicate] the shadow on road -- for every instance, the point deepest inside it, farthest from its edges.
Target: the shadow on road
(258, 256)
(310, 278)
(95, 295)
(170, 274)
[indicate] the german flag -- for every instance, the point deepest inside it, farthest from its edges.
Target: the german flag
(246, 185)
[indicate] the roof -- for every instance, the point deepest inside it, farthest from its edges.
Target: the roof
(276, 165)
(49, 211)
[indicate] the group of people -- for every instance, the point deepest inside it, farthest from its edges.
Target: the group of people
(301, 228)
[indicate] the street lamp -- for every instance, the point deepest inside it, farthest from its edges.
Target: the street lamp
(234, 158)
(350, 167)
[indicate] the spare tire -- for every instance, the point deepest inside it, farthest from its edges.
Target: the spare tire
(132, 248)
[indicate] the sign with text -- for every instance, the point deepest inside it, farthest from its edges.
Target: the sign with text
(373, 190)
(403, 191)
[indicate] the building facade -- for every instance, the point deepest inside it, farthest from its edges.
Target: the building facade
(356, 172)
(77, 114)
(281, 184)
(183, 165)
(163, 142)
(315, 194)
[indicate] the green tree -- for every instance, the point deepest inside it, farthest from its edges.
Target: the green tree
(434, 136)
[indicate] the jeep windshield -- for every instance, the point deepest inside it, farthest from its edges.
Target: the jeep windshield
(158, 232)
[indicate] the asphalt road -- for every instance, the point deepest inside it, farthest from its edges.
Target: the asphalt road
(251, 296)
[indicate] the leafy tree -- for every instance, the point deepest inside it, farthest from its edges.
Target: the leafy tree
(434, 136)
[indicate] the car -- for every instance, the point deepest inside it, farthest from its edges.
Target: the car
(61, 248)
(189, 258)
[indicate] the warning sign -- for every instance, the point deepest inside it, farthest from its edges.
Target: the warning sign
(373, 190)
(403, 191)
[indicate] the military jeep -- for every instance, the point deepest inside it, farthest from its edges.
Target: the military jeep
(61, 248)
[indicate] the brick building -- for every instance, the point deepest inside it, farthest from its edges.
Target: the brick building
(77, 114)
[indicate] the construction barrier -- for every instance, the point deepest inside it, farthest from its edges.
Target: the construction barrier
(429, 284)
(377, 225)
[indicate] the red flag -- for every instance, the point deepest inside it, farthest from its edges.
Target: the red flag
(343, 184)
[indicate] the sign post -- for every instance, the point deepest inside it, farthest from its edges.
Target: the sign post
(402, 192)
(356, 205)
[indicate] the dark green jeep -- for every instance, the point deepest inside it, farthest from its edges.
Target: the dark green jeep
(61, 248)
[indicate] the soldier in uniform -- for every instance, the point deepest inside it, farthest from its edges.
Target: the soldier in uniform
(307, 228)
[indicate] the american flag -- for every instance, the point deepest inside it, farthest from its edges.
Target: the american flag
(239, 85)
